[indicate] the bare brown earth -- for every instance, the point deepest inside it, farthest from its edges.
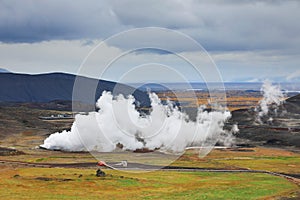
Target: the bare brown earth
(234, 99)
(24, 121)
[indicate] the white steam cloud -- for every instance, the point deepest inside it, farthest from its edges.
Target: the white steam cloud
(118, 124)
(272, 98)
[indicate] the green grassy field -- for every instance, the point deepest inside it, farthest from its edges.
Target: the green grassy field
(275, 160)
(23, 182)
(59, 183)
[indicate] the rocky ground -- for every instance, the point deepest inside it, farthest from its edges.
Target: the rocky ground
(279, 128)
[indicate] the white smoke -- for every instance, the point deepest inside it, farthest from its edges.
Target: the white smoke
(227, 137)
(118, 123)
(272, 98)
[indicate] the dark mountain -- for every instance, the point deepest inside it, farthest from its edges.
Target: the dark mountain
(59, 86)
(292, 104)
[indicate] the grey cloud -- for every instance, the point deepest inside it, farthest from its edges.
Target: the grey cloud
(34, 21)
(217, 25)
(222, 25)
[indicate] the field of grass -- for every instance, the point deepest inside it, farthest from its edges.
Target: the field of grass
(20, 182)
(275, 160)
(60, 183)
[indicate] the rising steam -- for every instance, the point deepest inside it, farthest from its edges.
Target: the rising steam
(118, 124)
(272, 98)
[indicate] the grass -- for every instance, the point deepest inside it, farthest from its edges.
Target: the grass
(58, 183)
(61, 183)
(275, 160)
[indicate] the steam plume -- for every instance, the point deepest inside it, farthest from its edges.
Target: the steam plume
(272, 98)
(118, 123)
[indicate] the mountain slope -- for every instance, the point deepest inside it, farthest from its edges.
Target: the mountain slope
(57, 86)
(283, 130)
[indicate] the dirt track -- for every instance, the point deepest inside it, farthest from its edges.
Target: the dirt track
(143, 167)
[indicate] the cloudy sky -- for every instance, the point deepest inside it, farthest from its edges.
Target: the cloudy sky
(247, 40)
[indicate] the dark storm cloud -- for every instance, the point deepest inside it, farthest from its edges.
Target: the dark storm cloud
(34, 21)
(217, 25)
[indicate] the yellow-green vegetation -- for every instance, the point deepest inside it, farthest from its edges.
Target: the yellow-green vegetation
(60, 183)
(275, 160)
(21, 182)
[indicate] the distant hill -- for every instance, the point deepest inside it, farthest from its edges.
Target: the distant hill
(292, 104)
(56, 86)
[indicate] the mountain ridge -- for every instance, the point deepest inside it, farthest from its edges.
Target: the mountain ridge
(49, 87)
